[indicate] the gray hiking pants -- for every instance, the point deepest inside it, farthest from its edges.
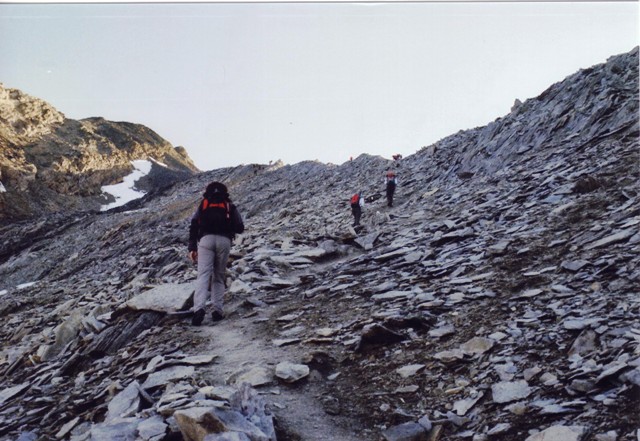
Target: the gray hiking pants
(213, 253)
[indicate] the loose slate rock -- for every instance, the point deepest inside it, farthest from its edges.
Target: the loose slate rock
(12, 391)
(171, 297)
(393, 295)
(257, 376)
(152, 429)
(507, 391)
(290, 372)
(409, 370)
(559, 433)
(477, 345)
(405, 432)
(166, 375)
(125, 404)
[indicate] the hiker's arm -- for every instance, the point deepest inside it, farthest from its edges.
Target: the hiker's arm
(193, 231)
(236, 221)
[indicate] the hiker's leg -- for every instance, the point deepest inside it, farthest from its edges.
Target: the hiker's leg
(222, 247)
(205, 270)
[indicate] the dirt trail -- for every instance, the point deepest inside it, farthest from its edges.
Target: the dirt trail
(241, 343)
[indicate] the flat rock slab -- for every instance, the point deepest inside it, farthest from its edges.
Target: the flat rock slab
(409, 370)
(257, 376)
(507, 391)
(405, 432)
(163, 298)
(291, 372)
(393, 295)
(166, 375)
(477, 345)
(559, 433)
(125, 404)
(11, 392)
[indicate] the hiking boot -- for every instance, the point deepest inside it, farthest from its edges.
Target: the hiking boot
(197, 318)
(216, 316)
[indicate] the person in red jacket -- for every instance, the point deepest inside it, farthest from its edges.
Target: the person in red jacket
(357, 202)
(213, 227)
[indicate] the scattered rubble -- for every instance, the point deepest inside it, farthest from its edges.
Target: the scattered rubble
(497, 300)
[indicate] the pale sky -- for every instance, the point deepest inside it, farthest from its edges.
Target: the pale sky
(239, 83)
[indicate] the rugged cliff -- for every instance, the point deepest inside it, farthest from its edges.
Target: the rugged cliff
(50, 163)
(496, 300)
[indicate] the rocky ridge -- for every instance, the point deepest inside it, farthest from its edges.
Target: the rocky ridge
(497, 300)
(50, 163)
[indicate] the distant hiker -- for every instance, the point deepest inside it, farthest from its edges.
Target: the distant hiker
(397, 157)
(391, 181)
(357, 202)
(213, 226)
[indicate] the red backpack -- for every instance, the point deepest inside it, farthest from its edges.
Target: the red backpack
(355, 199)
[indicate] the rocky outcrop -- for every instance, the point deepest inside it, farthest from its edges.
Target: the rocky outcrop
(496, 300)
(49, 163)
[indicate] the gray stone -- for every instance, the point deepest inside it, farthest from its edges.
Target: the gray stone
(584, 343)
(367, 242)
(575, 265)
(499, 248)
(499, 428)
(611, 435)
(124, 429)
(620, 236)
(291, 372)
(66, 332)
(450, 356)
(69, 425)
(256, 376)
(477, 345)
(409, 389)
(11, 392)
(442, 331)
(409, 370)
(393, 295)
(170, 297)
(152, 428)
(125, 404)
(559, 433)
(507, 391)
(579, 324)
(405, 432)
(461, 407)
(167, 375)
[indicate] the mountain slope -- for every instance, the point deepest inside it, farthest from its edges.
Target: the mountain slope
(497, 298)
(49, 163)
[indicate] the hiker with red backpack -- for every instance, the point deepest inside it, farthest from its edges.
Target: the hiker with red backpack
(391, 181)
(213, 226)
(357, 202)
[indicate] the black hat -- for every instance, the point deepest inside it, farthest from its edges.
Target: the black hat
(216, 189)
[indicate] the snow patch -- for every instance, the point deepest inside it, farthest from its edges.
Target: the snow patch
(2, 189)
(125, 191)
(25, 285)
(3, 292)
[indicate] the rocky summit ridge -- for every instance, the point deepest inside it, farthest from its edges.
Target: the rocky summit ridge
(50, 163)
(498, 299)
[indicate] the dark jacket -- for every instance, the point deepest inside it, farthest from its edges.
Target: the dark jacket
(199, 227)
